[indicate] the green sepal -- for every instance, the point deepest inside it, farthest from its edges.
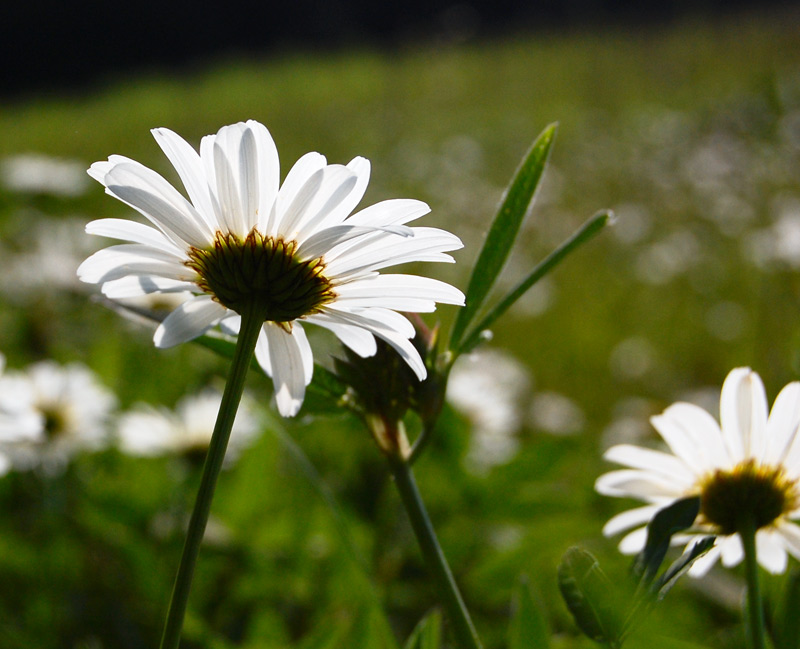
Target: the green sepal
(590, 597)
(674, 518)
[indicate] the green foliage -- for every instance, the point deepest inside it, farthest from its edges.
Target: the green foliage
(529, 628)
(427, 634)
(503, 233)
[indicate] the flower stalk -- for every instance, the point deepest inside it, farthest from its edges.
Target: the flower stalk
(755, 609)
(463, 628)
(243, 354)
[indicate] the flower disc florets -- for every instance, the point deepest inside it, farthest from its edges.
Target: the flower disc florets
(261, 270)
(760, 494)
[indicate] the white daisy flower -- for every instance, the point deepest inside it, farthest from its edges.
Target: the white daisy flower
(745, 469)
(294, 251)
(49, 413)
(187, 430)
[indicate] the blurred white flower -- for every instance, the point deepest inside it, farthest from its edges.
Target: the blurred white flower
(747, 467)
(187, 430)
(36, 173)
(556, 414)
(49, 413)
(488, 387)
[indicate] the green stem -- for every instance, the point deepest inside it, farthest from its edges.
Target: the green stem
(463, 628)
(755, 609)
(243, 354)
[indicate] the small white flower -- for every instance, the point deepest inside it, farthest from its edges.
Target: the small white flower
(746, 467)
(48, 413)
(295, 252)
(187, 430)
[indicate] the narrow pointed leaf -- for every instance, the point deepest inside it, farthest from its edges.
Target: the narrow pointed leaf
(528, 629)
(678, 516)
(505, 227)
(589, 596)
(427, 634)
(588, 230)
(681, 565)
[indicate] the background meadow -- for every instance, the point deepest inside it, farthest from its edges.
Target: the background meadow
(690, 132)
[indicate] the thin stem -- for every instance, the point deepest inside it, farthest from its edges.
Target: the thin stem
(755, 609)
(463, 628)
(245, 346)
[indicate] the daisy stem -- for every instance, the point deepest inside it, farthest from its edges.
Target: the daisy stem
(242, 356)
(755, 609)
(463, 628)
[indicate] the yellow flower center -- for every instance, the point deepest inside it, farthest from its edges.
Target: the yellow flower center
(749, 492)
(262, 271)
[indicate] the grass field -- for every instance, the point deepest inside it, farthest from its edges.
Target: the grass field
(689, 132)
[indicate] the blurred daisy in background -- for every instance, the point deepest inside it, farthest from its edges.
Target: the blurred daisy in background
(50, 412)
(488, 386)
(186, 430)
(745, 469)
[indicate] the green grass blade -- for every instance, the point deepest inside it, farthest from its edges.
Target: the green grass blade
(528, 629)
(504, 230)
(581, 236)
(427, 634)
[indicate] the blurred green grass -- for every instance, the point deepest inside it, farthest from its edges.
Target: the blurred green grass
(690, 132)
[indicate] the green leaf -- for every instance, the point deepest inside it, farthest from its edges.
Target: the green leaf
(681, 565)
(786, 631)
(427, 634)
(678, 516)
(528, 627)
(590, 597)
(594, 225)
(503, 232)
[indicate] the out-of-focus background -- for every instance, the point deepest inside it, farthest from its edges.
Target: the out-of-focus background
(684, 118)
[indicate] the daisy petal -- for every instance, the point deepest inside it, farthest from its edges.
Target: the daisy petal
(693, 435)
(790, 534)
(630, 518)
(188, 321)
(770, 551)
(663, 464)
(633, 542)
(152, 196)
(291, 370)
(638, 484)
(743, 414)
(133, 232)
(783, 423)
(190, 170)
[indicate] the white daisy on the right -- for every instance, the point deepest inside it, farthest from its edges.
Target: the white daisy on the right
(745, 469)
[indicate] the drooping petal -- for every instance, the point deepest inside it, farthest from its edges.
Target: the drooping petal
(291, 365)
(389, 287)
(731, 550)
(634, 541)
(395, 211)
(770, 551)
(358, 339)
(630, 518)
(190, 320)
(337, 183)
(790, 533)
